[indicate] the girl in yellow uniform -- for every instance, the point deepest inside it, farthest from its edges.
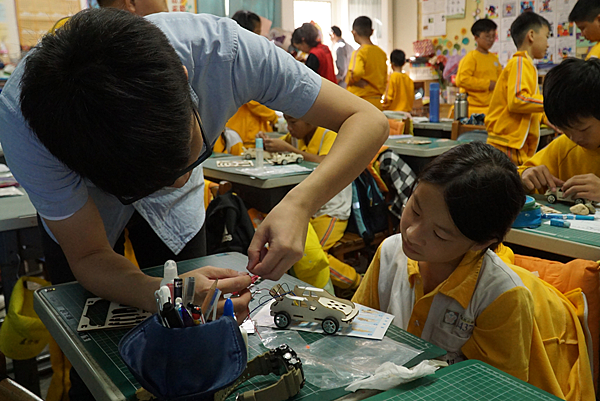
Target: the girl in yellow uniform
(443, 282)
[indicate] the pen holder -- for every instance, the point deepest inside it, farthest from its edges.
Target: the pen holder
(189, 363)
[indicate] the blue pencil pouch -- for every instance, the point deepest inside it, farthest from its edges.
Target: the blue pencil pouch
(191, 363)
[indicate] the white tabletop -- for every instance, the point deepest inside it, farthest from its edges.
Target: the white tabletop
(17, 212)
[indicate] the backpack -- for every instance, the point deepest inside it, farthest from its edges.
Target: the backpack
(369, 210)
(228, 226)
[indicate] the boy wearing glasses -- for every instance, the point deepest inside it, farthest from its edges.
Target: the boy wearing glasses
(111, 115)
(479, 70)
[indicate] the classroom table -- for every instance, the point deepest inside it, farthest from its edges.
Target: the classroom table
(262, 194)
(558, 240)
(19, 241)
(95, 355)
(470, 380)
(444, 128)
(417, 156)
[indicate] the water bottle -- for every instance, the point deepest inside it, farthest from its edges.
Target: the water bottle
(434, 102)
(259, 153)
(461, 106)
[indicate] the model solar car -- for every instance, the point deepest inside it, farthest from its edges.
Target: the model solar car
(309, 304)
(274, 157)
(558, 195)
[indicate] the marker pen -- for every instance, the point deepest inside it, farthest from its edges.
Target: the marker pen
(177, 288)
(228, 308)
(171, 316)
(568, 216)
(560, 223)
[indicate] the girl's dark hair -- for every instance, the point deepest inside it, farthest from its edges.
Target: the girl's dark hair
(246, 19)
(482, 190)
(307, 33)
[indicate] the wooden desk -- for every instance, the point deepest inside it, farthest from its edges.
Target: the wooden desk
(94, 354)
(262, 194)
(417, 156)
(558, 240)
(19, 241)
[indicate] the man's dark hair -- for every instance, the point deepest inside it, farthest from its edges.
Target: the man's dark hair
(246, 19)
(585, 10)
(336, 31)
(398, 58)
(363, 26)
(524, 23)
(307, 33)
(481, 187)
(483, 25)
(106, 3)
(108, 96)
(572, 92)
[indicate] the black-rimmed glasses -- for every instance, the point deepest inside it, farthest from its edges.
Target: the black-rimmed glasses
(204, 154)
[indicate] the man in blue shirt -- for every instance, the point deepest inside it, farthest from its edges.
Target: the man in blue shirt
(114, 113)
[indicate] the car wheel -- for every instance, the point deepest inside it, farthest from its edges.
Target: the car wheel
(551, 198)
(284, 162)
(247, 156)
(330, 325)
(282, 320)
(299, 160)
(579, 201)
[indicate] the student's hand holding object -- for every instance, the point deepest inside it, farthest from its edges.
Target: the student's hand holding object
(277, 145)
(230, 281)
(539, 177)
(585, 186)
(284, 230)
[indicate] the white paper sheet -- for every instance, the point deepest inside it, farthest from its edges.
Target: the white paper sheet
(369, 323)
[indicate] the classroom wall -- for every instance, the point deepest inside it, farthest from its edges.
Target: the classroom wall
(9, 33)
(405, 24)
(458, 31)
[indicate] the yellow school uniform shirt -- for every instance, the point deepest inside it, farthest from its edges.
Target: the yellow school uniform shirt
(565, 159)
(594, 52)
(475, 72)
(400, 93)
(368, 63)
(488, 311)
(250, 119)
(320, 144)
(516, 107)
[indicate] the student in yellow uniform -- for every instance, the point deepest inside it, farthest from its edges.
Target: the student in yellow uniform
(586, 15)
(517, 106)
(252, 117)
(330, 222)
(479, 70)
(572, 91)
(443, 282)
(367, 72)
(400, 91)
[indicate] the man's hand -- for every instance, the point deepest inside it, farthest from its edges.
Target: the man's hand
(492, 85)
(230, 281)
(539, 177)
(284, 230)
(585, 186)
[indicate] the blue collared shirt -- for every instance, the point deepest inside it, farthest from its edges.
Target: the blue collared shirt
(227, 67)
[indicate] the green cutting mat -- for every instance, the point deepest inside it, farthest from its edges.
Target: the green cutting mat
(69, 300)
(211, 163)
(583, 237)
(464, 381)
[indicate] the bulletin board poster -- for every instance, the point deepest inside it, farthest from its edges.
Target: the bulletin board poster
(182, 6)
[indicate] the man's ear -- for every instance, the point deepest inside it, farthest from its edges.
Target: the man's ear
(186, 73)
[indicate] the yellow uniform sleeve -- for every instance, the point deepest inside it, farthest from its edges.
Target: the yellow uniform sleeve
(410, 96)
(503, 333)
(368, 291)
(522, 96)
(356, 68)
(594, 52)
(327, 142)
(465, 77)
(287, 137)
(390, 91)
(262, 112)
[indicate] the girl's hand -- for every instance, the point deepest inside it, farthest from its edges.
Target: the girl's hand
(277, 145)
